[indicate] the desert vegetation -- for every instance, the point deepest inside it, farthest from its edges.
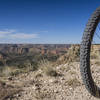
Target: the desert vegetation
(45, 77)
(14, 64)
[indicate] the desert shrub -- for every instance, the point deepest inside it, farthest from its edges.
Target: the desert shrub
(51, 72)
(97, 63)
(16, 72)
(34, 66)
(73, 82)
(28, 65)
(6, 71)
(1, 63)
(47, 67)
(72, 55)
(94, 55)
(9, 71)
(17, 69)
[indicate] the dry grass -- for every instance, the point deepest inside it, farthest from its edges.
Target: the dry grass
(41, 95)
(97, 62)
(47, 67)
(72, 55)
(9, 71)
(13, 71)
(74, 82)
(94, 54)
(95, 57)
(6, 71)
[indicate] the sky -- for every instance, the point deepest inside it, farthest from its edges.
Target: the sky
(44, 21)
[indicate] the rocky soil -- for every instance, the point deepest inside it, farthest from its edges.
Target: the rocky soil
(66, 86)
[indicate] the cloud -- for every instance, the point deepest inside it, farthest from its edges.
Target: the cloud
(7, 31)
(24, 36)
(13, 34)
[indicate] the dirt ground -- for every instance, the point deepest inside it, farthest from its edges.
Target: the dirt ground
(67, 86)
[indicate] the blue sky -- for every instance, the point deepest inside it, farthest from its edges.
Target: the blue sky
(44, 21)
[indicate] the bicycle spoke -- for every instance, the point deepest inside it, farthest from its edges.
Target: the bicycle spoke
(98, 27)
(97, 35)
(93, 42)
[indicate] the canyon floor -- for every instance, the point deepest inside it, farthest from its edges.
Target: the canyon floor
(38, 86)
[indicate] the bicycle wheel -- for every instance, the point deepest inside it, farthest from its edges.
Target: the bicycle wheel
(85, 51)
